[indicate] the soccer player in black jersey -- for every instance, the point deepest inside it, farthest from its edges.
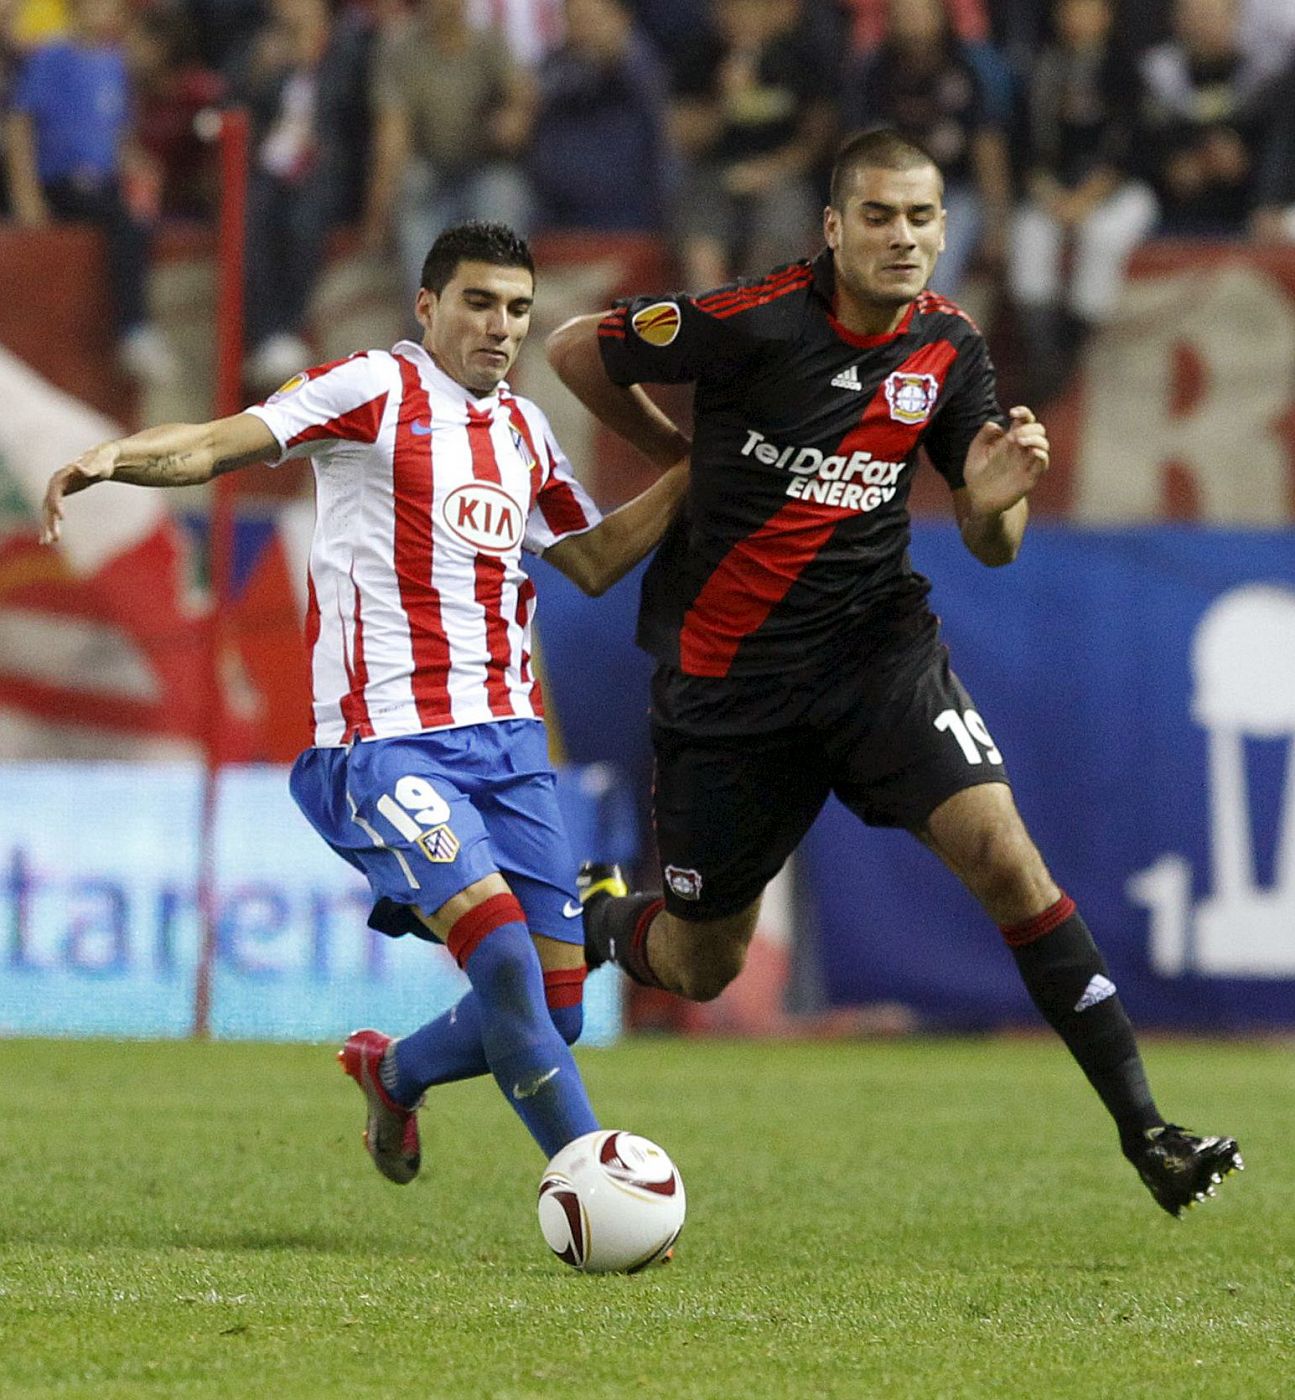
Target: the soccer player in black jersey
(796, 655)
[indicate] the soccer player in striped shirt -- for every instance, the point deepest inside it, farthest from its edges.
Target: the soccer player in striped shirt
(429, 769)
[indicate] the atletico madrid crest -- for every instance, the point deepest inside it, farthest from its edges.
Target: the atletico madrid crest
(523, 448)
(911, 396)
(439, 845)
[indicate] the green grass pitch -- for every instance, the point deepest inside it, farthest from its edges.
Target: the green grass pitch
(916, 1219)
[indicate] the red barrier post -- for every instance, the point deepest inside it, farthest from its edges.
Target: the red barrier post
(231, 130)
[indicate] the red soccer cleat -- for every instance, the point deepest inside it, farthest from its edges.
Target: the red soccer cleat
(391, 1130)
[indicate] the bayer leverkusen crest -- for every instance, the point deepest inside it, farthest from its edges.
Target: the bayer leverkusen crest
(685, 882)
(911, 396)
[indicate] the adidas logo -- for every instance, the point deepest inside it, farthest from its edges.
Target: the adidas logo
(847, 379)
(1097, 990)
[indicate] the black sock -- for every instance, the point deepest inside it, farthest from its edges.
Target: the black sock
(1069, 983)
(616, 931)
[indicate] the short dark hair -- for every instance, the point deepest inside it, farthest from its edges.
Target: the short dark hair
(879, 146)
(474, 241)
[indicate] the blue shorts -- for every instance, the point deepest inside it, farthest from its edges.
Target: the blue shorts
(424, 816)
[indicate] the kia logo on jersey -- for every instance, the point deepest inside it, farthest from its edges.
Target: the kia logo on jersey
(485, 516)
(658, 324)
(911, 396)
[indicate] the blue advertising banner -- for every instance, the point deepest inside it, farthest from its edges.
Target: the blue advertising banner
(99, 927)
(1141, 684)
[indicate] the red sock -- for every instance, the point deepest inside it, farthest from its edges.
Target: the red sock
(564, 986)
(634, 958)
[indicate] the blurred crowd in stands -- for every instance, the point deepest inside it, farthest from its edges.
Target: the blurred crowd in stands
(1068, 132)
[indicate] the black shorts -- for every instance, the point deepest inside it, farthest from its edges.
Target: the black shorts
(729, 808)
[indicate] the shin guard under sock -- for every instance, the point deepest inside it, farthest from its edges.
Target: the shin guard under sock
(1069, 983)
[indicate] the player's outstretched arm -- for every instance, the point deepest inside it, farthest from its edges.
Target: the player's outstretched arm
(594, 560)
(1002, 468)
(572, 350)
(173, 454)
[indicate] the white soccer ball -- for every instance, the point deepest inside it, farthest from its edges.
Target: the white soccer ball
(611, 1202)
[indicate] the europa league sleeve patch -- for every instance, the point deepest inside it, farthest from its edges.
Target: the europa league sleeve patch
(657, 324)
(288, 387)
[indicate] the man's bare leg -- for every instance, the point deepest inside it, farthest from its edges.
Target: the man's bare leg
(980, 836)
(694, 958)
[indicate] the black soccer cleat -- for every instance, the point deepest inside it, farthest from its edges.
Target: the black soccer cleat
(1179, 1168)
(593, 880)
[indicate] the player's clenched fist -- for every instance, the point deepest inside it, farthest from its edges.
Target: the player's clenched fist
(1028, 434)
(1003, 464)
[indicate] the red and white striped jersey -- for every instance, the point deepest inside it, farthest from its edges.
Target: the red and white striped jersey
(418, 610)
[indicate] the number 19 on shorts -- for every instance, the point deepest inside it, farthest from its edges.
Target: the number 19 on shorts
(971, 733)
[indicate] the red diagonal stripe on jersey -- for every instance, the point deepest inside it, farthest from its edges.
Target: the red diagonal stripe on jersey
(359, 424)
(760, 570)
(354, 706)
(752, 578)
(421, 600)
(490, 572)
(877, 431)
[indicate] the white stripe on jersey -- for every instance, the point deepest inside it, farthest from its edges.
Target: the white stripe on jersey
(420, 613)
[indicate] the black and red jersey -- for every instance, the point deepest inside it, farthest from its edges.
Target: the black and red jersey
(793, 546)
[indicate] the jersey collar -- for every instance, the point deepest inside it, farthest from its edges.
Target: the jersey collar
(412, 350)
(825, 287)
